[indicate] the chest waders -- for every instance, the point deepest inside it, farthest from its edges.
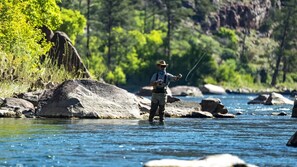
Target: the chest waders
(159, 98)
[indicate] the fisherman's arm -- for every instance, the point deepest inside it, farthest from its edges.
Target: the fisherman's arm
(175, 78)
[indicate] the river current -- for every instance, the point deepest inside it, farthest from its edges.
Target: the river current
(255, 136)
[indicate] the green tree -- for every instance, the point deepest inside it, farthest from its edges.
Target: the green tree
(113, 13)
(73, 23)
(285, 33)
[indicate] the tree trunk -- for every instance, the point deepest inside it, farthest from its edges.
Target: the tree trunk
(285, 69)
(281, 49)
(88, 28)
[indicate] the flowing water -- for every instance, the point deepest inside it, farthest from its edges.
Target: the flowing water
(255, 136)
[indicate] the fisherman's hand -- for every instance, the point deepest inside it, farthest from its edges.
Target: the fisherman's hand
(178, 77)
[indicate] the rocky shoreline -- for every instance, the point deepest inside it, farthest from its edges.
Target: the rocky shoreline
(98, 100)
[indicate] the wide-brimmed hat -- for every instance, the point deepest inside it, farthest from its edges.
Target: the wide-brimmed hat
(162, 63)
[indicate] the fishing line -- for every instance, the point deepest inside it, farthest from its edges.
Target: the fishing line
(195, 66)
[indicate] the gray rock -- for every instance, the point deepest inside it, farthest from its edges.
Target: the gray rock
(221, 160)
(293, 141)
(261, 99)
(219, 115)
(1, 101)
(171, 99)
(186, 91)
(21, 107)
(201, 114)
(181, 109)
(6, 113)
(276, 98)
(213, 105)
(16, 103)
(239, 113)
(90, 99)
(212, 89)
(279, 113)
(32, 97)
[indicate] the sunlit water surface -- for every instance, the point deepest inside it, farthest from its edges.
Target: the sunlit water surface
(256, 137)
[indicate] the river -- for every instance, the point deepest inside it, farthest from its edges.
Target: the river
(255, 136)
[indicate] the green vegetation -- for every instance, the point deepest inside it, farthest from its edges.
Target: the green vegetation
(121, 40)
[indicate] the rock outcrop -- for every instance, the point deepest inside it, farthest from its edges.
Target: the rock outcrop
(90, 99)
(239, 15)
(64, 53)
(261, 99)
(293, 141)
(212, 89)
(221, 160)
(271, 99)
(276, 98)
(186, 91)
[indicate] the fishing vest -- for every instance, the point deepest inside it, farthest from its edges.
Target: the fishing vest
(160, 89)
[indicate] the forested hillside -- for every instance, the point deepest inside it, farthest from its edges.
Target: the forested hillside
(236, 43)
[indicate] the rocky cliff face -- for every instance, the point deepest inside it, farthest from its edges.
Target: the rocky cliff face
(237, 14)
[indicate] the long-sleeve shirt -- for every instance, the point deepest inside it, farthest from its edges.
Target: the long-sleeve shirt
(163, 76)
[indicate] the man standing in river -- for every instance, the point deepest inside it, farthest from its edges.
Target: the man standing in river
(160, 81)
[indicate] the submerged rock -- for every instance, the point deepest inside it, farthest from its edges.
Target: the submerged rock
(293, 141)
(276, 98)
(261, 99)
(221, 160)
(219, 115)
(90, 99)
(279, 113)
(186, 91)
(212, 89)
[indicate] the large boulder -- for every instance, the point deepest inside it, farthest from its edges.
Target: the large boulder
(90, 99)
(186, 91)
(294, 110)
(261, 99)
(213, 105)
(293, 141)
(276, 98)
(212, 89)
(221, 160)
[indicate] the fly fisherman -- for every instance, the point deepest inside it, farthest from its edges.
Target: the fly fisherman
(160, 81)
